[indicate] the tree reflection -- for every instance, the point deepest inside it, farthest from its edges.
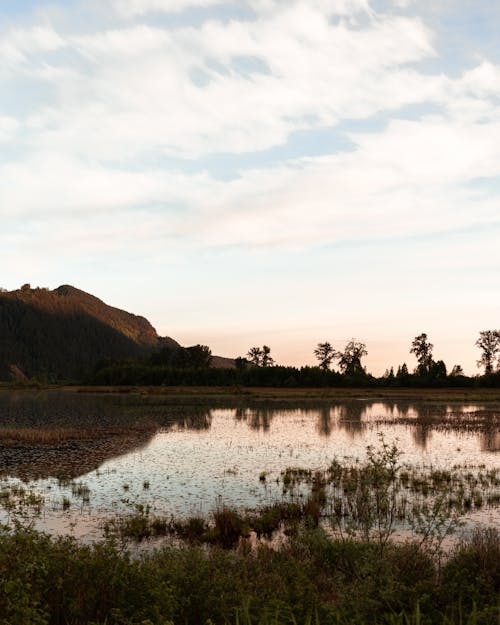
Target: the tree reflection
(194, 419)
(256, 418)
(324, 425)
(490, 440)
(421, 434)
(351, 416)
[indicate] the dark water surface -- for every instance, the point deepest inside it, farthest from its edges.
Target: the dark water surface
(109, 453)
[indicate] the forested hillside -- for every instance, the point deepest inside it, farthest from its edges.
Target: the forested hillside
(63, 333)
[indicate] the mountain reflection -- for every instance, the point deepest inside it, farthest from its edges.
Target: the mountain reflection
(66, 435)
(72, 458)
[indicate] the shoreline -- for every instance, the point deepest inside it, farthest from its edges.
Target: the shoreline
(275, 393)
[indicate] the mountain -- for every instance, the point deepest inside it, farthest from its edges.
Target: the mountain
(65, 332)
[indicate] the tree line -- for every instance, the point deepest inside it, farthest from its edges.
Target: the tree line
(195, 366)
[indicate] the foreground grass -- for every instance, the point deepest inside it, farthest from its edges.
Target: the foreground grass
(313, 580)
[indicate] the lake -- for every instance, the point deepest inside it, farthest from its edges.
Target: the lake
(90, 456)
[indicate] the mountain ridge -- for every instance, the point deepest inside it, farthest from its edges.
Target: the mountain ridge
(66, 331)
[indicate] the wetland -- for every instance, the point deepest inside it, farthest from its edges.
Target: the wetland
(185, 456)
(210, 508)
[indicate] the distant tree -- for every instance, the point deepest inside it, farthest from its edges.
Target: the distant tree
(266, 360)
(489, 344)
(167, 355)
(198, 356)
(350, 359)
(255, 356)
(260, 356)
(326, 354)
(241, 363)
(423, 353)
(456, 371)
(437, 370)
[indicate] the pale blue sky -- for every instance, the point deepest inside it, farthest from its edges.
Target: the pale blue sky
(261, 171)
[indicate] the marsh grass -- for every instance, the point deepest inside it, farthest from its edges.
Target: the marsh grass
(20, 504)
(55, 436)
(372, 499)
(484, 420)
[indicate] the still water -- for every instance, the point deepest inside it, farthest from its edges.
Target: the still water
(90, 457)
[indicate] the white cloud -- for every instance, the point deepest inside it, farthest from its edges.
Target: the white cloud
(18, 44)
(129, 100)
(134, 8)
(134, 93)
(95, 111)
(484, 79)
(8, 127)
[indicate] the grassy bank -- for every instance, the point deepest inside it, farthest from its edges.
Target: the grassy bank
(206, 393)
(313, 579)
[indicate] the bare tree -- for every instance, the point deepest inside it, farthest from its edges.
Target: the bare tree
(489, 343)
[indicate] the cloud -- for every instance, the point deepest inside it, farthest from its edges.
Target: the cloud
(17, 45)
(124, 106)
(132, 92)
(8, 127)
(134, 8)
(347, 153)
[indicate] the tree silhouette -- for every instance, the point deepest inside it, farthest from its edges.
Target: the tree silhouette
(489, 343)
(423, 353)
(350, 358)
(326, 354)
(266, 359)
(260, 356)
(198, 356)
(255, 356)
(457, 371)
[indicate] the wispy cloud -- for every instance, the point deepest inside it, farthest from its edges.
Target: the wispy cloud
(112, 117)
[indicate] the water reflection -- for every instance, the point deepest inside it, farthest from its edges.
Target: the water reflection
(53, 434)
(490, 441)
(256, 418)
(70, 459)
(193, 456)
(196, 419)
(324, 426)
(421, 435)
(65, 435)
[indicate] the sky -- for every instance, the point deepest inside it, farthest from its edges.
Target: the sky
(279, 172)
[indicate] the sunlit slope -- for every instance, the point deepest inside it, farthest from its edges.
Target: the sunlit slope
(64, 332)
